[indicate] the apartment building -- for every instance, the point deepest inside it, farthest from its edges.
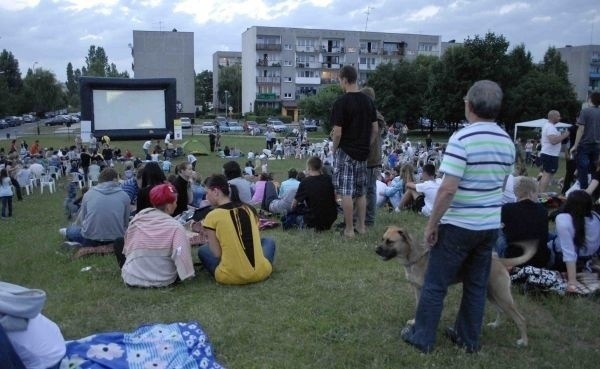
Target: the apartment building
(280, 65)
(222, 59)
(161, 54)
(584, 68)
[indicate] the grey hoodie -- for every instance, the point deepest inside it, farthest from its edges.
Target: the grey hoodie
(18, 305)
(104, 213)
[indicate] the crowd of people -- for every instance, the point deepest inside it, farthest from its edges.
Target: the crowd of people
(471, 191)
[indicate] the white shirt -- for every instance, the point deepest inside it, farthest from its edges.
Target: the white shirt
(191, 158)
(168, 138)
(41, 345)
(429, 189)
(147, 145)
(547, 147)
(565, 232)
(380, 192)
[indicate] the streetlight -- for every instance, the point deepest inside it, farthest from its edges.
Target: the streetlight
(33, 67)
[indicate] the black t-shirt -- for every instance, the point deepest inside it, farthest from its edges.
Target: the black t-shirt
(107, 153)
(86, 159)
(318, 194)
(355, 113)
(526, 220)
(181, 186)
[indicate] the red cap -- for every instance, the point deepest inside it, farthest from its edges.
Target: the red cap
(163, 194)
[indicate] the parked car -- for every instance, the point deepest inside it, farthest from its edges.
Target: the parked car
(235, 126)
(28, 118)
(277, 125)
(3, 124)
(74, 118)
(208, 127)
(58, 120)
(185, 122)
(253, 127)
(310, 125)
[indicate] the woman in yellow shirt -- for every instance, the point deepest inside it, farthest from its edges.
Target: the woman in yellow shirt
(235, 253)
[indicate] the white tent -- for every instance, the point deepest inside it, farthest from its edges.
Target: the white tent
(538, 123)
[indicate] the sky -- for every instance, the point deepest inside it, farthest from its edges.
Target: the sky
(51, 33)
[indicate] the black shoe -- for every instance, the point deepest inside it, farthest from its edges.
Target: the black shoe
(406, 334)
(457, 341)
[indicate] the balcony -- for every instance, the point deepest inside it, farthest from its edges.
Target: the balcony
(329, 81)
(268, 80)
(267, 97)
(308, 80)
(305, 49)
(333, 50)
(371, 52)
(367, 66)
(268, 63)
(308, 65)
(268, 46)
(393, 52)
(331, 65)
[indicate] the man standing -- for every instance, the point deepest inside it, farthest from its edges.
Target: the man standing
(468, 203)
(146, 147)
(373, 164)
(587, 140)
(551, 143)
(354, 120)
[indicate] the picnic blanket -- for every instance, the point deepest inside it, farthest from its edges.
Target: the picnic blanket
(181, 345)
(553, 281)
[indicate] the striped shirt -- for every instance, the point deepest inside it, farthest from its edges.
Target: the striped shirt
(481, 155)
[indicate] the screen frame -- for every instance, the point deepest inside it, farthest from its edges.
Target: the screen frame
(168, 85)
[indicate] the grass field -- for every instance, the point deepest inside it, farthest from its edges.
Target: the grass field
(330, 303)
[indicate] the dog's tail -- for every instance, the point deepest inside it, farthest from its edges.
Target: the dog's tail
(529, 249)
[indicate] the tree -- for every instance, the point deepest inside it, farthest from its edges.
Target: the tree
(96, 64)
(204, 89)
(230, 79)
(319, 106)
(554, 64)
(42, 91)
(72, 84)
(9, 68)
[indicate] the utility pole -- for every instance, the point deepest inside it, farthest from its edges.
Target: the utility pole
(367, 13)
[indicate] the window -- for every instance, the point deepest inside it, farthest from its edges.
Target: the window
(287, 63)
(287, 95)
(287, 47)
(287, 79)
(351, 49)
(427, 46)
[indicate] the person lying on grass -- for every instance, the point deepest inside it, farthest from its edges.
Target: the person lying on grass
(235, 253)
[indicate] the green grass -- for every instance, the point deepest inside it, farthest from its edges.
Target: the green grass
(330, 303)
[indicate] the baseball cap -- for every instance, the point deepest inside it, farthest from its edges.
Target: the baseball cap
(163, 194)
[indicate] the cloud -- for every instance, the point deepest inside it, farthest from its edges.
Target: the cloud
(541, 19)
(101, 6)
(16, 5)
(425, 13)
(90, 37)
(148, 3)
(219, 11)
(509, 8)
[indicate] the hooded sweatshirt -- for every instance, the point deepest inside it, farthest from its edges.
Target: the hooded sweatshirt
(18, 305)
(104, 212)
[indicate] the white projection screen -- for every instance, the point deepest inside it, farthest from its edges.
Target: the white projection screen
(129, 109)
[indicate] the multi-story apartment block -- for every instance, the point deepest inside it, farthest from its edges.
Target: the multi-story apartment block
(584, 68)
(222, 59)
(282, 65)
(160, 54)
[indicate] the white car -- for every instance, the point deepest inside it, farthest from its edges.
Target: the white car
(208, 128)
(185, 122)
(235, 127)
(277, 125)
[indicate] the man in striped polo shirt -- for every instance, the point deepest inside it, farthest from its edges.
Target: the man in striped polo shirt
(464, 222)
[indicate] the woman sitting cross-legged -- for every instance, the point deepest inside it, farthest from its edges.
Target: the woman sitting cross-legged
(578, 236)
(157, 249)
(235, 253)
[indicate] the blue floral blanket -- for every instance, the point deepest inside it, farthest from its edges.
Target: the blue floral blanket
(155, 346)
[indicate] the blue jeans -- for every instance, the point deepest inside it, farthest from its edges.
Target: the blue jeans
(7, 205)
(10, 358)
(458, 254)
(587, 156)
(372, 174)
(74, 235)
(211, 262)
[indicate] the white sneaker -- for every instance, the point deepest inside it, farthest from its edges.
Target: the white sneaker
(63, 232)
(71, 245)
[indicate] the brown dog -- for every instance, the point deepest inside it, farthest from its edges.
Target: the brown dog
(396, 242)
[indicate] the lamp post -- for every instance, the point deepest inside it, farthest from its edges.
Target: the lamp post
(33, 67)
(226, 104)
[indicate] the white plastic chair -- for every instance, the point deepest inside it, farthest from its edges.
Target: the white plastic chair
(77, 177)
(35, 179)
(54, 171)
(47, 181)
(93, 178)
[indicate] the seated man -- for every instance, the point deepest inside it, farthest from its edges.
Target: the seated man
(36, 340)
(283, 204)
(104, 213)
(233, 172)
(157, 249)
(315, 199)
(291, 183)
(421, 196)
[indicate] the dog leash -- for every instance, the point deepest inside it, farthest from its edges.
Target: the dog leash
(411, 263)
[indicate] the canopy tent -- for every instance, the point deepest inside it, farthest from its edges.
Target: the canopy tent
(538, 123)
